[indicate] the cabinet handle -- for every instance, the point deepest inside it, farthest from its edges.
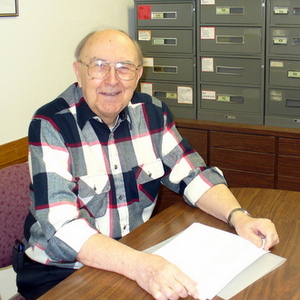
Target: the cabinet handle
(238, 71)
(164, 41)
(165, 69)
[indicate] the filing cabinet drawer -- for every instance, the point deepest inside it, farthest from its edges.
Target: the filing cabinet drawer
(284, 102)
(167, 41)
(234, 70)
(231, 98)
(241, 40)
(231, 12)
(165, 14)
(284, 41)
(285, 12)
(284, 73)
(169, 68)
(180, 97)
(289, 146)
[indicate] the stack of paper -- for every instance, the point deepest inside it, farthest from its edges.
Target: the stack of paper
(214, 258)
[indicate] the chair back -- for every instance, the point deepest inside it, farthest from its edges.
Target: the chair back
(14, 206)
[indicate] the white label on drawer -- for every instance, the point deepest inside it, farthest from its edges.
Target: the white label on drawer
(208, 95)
(144, 35)
(207, 64)
(281, 10)
(276, 95)
(207, 2)
(185, 94)
(208, 33)
(148, 62)
(276, 64)
(147, 88)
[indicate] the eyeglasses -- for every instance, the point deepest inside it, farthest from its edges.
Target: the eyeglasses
(98, 69)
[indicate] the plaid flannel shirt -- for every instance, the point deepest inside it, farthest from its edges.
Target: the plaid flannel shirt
(87, 178)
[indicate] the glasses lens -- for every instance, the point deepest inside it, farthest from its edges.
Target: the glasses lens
(125, 71)
(98, 69)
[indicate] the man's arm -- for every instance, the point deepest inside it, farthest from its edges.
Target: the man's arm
(219, 202)
(153, 273)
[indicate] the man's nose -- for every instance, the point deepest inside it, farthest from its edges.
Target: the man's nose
(112, 77)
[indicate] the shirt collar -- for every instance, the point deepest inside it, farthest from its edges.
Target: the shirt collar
(84, 113)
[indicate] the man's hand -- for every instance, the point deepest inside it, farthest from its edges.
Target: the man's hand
(162, 279)
(255, 230)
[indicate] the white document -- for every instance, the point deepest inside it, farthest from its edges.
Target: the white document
(212, 257)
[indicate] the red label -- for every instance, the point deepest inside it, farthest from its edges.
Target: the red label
(144, 12)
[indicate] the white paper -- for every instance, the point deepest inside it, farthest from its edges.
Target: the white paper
(210, 256)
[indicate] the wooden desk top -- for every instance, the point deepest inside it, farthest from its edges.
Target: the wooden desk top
(283, 207)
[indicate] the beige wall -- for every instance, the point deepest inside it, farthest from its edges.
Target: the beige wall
(36, 53)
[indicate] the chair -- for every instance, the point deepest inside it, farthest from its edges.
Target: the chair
(14, 205)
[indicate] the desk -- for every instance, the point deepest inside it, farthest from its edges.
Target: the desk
(283, 207)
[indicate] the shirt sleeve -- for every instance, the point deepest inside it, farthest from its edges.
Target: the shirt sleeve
(187, 173)
(59, 229)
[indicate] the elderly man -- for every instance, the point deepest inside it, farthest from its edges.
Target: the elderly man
(98, 155)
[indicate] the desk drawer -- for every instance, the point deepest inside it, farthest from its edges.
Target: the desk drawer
(284, 41)
(232, 70)
(245, 142)
(234, 40)
(165, 14)
(262, 163)
(231, 12)
(284, 72)
(167, 41)
(169, 69)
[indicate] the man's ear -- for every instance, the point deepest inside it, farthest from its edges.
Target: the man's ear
(77, 70)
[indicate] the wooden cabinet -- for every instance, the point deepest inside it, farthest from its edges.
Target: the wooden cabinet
(289, 164)
(246, 160)
(249, 155)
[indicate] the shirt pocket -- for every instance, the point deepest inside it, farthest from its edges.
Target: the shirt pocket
(149, 171)
(93, 192)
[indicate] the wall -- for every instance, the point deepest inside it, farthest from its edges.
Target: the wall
(36, 53)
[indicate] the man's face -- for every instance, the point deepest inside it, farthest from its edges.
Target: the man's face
(107, 96)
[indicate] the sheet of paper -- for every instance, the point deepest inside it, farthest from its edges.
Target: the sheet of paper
(210, 256)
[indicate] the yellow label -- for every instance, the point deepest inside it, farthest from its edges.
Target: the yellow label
(158, 41)
(223, 98)
(280, 41)
(281, 10)
(294, 74)
(223, 10)
(171, 96)
(157, 15)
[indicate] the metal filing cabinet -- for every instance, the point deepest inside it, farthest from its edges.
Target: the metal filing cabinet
(166, 32)
(282, 95)
(231, 46)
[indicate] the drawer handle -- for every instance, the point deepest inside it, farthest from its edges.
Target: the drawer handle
(296, 11)
(292, 103)
(165, 69)
(164, 41)
(231, 99)
(165, 95)
(296, 41)
(223, 39)
(171, 15)
(228, 10)
(237, 71)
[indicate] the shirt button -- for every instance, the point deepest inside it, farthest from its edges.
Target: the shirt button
(120, 197)
(116, 167)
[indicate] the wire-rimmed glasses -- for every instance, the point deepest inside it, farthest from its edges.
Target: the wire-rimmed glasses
(99, 68)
